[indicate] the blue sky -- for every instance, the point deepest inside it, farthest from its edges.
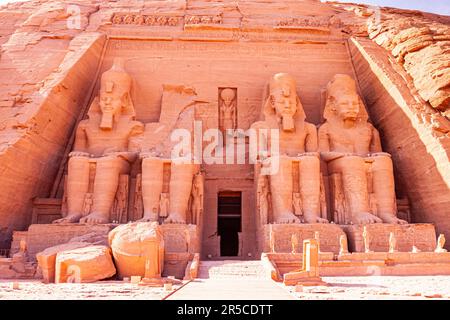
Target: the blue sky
(436, 6)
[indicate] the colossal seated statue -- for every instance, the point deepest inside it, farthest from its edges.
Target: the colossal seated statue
(102, 140)
(298, 174)
(181, 176)
(352, 149)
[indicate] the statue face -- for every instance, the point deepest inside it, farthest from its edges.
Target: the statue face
(284, 101)
(110, 101)
(110, 105)
(347, 106)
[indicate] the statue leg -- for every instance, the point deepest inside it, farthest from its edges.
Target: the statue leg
(77, 187)
(281, 187)
(181, 177)
(384, 189)
(309, 182)
(354, 179)
(152, 187)
(106, 181)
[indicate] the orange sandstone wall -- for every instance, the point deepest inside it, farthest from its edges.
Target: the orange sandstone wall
(411, 130)
(32, 143)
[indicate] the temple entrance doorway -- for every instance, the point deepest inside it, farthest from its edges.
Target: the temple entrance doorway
(229, 222)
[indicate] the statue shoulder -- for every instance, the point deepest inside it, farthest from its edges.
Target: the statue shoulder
(259, 125)
(137, 127)
(324, 127)
(83, 124)
(311, 127)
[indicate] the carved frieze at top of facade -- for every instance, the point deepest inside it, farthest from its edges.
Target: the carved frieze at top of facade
(146, 20)
(308, 21)
(203, 19)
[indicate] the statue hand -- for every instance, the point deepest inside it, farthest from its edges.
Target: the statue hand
(79, 154)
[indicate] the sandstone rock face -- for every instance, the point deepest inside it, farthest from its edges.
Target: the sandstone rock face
(134, 244)
(423, 48)
(86, 264)
(52, 56)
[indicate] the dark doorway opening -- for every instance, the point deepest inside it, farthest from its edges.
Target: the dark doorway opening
(229, 222)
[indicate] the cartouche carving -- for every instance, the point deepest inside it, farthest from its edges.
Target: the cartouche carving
(351, 146)
(103, 140)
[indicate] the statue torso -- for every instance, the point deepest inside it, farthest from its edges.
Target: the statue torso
(99, 141)
(352, 140)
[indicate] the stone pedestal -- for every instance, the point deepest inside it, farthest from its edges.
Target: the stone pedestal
(329, 236)
(423, 236)
(42, 236)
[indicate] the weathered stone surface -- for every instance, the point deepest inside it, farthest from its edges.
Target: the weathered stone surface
(47, 258)
(86, 264)
(42, 236)
(134, 244)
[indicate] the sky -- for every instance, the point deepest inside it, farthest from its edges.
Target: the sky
(436, 6)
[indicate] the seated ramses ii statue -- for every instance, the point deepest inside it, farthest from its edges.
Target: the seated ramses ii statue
(351, 146)
(180, 182)
(283, 111)
(103, 139)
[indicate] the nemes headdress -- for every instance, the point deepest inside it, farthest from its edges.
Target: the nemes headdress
(342, 84)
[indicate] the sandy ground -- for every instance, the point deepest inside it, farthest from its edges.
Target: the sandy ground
(375, 288)
(430, 287)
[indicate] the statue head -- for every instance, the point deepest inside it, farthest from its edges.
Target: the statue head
(227, 95)
(343, 100)
(283, 101)
(114, 97)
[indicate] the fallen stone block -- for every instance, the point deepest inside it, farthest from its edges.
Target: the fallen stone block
(87, 264)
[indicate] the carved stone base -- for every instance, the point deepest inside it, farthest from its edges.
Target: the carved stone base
(42, 236)
(302, 278)
(423, 236)
(328, 233)
(180, 238)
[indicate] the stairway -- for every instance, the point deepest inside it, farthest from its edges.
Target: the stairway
(232, 269)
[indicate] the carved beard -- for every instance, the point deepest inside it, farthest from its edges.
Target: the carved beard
(287, 122)
(106, 122)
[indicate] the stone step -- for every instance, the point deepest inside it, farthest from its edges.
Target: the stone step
(231, 269)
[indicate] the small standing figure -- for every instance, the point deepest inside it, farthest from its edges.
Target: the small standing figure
(197, 197)
(294, 243)
(297, 202)
(440, 244)
(317, 237)
(228, 109)
(88, 202)
(392, 243)
(366, 240)
(272, 240)
(263, 198)
(164, 205)
(343, 246)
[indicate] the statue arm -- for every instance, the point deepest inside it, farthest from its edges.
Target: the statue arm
(324, 145)
(375, 143)
(80, 145)
(311, 138)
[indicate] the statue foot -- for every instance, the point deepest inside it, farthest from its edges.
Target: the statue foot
(176, 219)
(315, 219)
(288, 218)
(146, 219)
(71, 218)
(366, 218)
(95, 218)
(390, 218)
